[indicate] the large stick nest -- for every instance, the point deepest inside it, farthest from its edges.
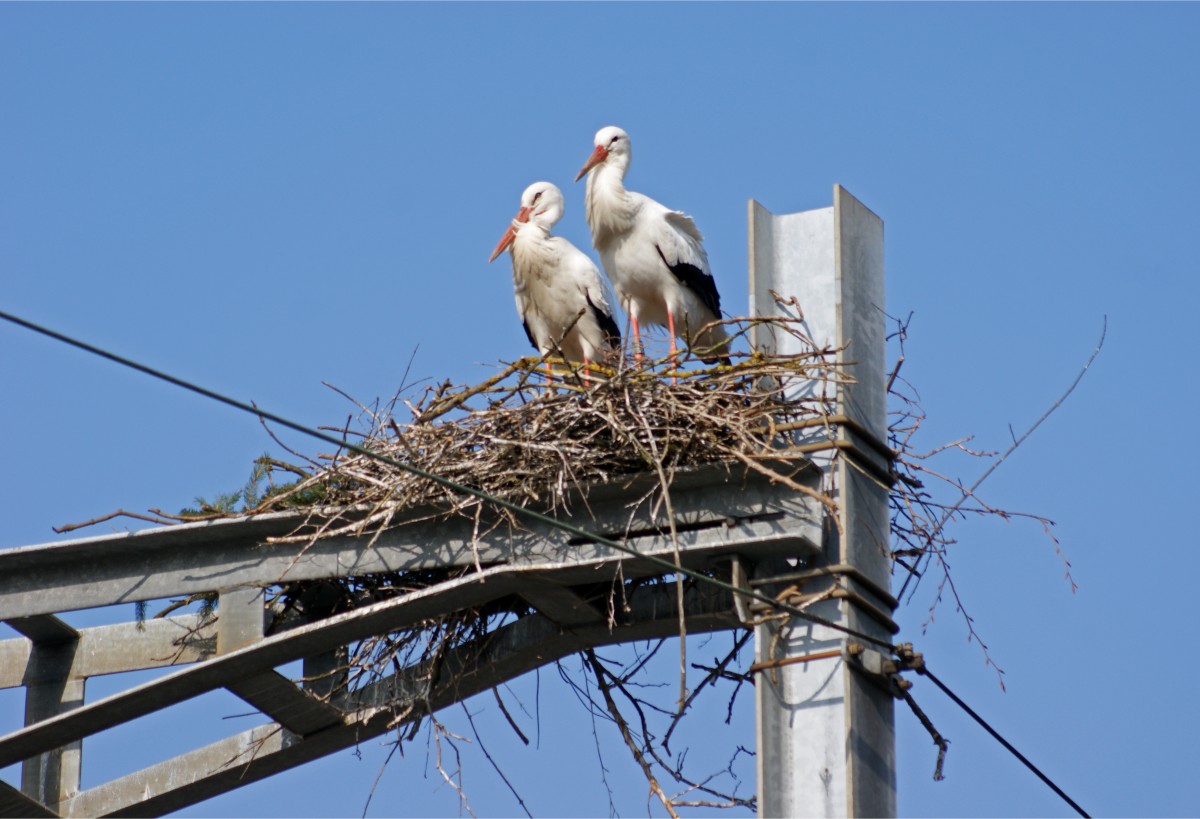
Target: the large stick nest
(538, 441)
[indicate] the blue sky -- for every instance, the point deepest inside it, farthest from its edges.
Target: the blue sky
(262, 197)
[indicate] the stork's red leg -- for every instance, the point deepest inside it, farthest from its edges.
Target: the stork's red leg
(674, 349)
(637, 339)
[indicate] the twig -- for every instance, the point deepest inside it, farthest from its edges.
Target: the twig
(500, 773)
(970, 493)
(70, 527)
(716, 673)
(599, 671)
(512, 723)
(378, 776)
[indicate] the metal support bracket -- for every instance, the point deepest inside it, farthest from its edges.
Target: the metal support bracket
(883, 669)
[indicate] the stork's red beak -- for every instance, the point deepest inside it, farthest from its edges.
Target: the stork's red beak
(510, 234)
(598, 156)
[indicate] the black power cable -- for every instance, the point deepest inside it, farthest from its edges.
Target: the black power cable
(1007, 745)
(529, 513)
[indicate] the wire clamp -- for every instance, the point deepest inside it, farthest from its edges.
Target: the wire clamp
(883, 669)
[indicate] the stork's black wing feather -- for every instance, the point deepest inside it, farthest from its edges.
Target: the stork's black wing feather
(529, 335)
(696, 280)
(612, 333)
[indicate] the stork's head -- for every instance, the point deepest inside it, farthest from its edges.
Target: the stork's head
(610, 142)
(541, 204)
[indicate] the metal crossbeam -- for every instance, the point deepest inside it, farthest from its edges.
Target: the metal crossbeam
(279, 698)
(559, 603)
(45, 629)
(279, 649)
(390, 615)
(188, 559)
(14, 803)
(155, 643)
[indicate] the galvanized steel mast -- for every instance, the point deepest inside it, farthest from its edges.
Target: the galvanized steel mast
(826, 740)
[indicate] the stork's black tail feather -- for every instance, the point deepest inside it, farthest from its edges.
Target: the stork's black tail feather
(608, 326)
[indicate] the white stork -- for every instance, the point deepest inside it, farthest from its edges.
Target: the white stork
(653, 255)
(554, 282)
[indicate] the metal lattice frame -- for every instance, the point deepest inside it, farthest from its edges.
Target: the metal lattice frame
(720, 515)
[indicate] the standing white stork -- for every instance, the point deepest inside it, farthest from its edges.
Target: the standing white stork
(653, 255)
(554, 283)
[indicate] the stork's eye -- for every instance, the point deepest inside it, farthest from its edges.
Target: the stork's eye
(536, 197)
(614, 139)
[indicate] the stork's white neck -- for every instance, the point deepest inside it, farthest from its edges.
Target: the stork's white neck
(534, 231)
(532, 250)
(609, 208)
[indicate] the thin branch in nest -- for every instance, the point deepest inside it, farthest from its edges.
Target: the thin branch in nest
(453, 779)
(715, 674)
(507, 716)
(600, 673)
(1018, 441)
(589, 704)
(120, 513)
(378, 776)
(279, 442)
(495, 767)
(665, 486)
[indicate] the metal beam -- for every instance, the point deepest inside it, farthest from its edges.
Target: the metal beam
(44, 628)
(191, 558)
(155, 643)
(239, 618)
(15, 803)
(53, 774)
(258, 658)
(281, 700)
(826, 744)
(559, 603)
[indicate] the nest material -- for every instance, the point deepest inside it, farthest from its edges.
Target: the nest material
(538, 442)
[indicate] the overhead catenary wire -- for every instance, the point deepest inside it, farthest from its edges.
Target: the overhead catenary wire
(1007, 745)
(530, 514)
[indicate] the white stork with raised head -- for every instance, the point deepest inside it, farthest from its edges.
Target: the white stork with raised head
(560, 294)
(654, 256)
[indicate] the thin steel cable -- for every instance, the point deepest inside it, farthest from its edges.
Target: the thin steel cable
(1007, 745)
(529, 513)
(438, 479)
